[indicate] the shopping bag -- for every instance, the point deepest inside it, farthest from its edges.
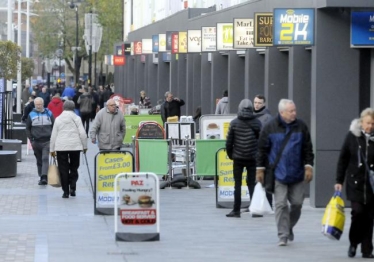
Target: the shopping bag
(53, 174)
(334, 217)
(259, 203)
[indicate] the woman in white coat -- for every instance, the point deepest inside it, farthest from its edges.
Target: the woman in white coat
(68, 139)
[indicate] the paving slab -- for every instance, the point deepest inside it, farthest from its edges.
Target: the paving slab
(37, 225)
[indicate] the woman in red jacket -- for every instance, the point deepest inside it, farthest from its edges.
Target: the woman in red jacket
(56, 105)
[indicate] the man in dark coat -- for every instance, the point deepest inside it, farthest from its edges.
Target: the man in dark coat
(241, 147)
(294, 169)
(172, 107)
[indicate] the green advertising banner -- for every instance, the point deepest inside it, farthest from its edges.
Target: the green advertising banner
(132, 124)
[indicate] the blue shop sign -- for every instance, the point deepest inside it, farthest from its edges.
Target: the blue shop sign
(155, 43)
(362, 29)
(293, 26)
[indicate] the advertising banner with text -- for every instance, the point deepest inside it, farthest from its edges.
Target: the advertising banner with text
(263, 29)
(174, 42)
(155, 43)
(162, 42)
(243, 33)
(107, 165)
(137, 48)
(293, 26)
(362, 29)
(226, 183)
(146, 46)
(224, 36)
(193, 41)
(208, 39)
(182, 42)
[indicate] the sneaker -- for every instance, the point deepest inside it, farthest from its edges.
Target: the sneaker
(282, 242)
(43, 181)
(233, 214)
(291, 236)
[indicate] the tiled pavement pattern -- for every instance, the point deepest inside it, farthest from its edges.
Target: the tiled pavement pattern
(37, 225)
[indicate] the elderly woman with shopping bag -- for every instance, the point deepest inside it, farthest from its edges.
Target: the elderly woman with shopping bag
(68, 139)
(355, 163)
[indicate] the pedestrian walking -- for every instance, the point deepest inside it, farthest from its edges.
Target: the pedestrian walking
(294, 169)
(355, 163)
(39, 126)
(68, 139)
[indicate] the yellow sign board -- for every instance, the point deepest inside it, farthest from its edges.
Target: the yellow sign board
(226, 180)
(108, 165)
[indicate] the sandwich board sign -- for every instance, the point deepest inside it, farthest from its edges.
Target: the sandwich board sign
(138, 205)
(225, 182)
(108, 164)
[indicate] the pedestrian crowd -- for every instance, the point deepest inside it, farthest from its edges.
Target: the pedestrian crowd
(275, 151)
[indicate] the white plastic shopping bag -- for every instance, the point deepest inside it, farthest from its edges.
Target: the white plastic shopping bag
(259, 203)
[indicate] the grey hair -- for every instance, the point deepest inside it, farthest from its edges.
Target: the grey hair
(367, 112)
(39, 99)
(282, 104)
(167, 93)
(69, 105)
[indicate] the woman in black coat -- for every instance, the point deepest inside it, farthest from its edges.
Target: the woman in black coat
(356, 155)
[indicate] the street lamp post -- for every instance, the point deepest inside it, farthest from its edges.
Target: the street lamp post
(75, 7)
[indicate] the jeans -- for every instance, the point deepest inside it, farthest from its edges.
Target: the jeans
(239, 165)
(41, 152)
(285, 217)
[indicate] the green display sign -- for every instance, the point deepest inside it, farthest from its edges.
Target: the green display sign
(132, 124)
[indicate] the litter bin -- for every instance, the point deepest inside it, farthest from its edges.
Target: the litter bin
(12, 145)
(8, 163)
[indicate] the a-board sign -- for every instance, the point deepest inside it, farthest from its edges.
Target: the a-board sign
(225, 182)
(107, 165)
(150, 130)
(138, 206)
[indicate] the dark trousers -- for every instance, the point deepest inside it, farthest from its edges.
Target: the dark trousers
(250, 165)
(68, 164)
(41, 152)
(361, 231)
(86, 121)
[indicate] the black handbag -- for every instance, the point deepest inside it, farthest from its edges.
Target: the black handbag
(270, 170)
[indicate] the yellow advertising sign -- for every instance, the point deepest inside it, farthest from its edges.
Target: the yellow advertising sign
(226, 180)
(182, 42)
(108, 166)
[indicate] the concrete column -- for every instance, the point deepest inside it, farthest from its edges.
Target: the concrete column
(236, 81)
(276, 77)
(299, 83)
(163, 77)
(254, 73)
(206, 85)
(219, 77)
(151, 88)
(335, 98)
(196, 94)
(182, 80)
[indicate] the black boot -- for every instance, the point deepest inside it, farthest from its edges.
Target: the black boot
(233, 214)
(352, 250)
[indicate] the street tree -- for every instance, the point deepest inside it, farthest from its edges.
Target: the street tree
(55, 28)
(10, 54)
(27, 68)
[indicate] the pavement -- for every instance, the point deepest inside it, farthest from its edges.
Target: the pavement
(38, 225)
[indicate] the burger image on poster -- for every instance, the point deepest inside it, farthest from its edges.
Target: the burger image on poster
(213, 131)
(145, 201)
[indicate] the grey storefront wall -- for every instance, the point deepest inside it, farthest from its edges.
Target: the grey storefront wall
(329, 82)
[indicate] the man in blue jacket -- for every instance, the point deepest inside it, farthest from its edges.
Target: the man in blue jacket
(39, 126)
(294, 169)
